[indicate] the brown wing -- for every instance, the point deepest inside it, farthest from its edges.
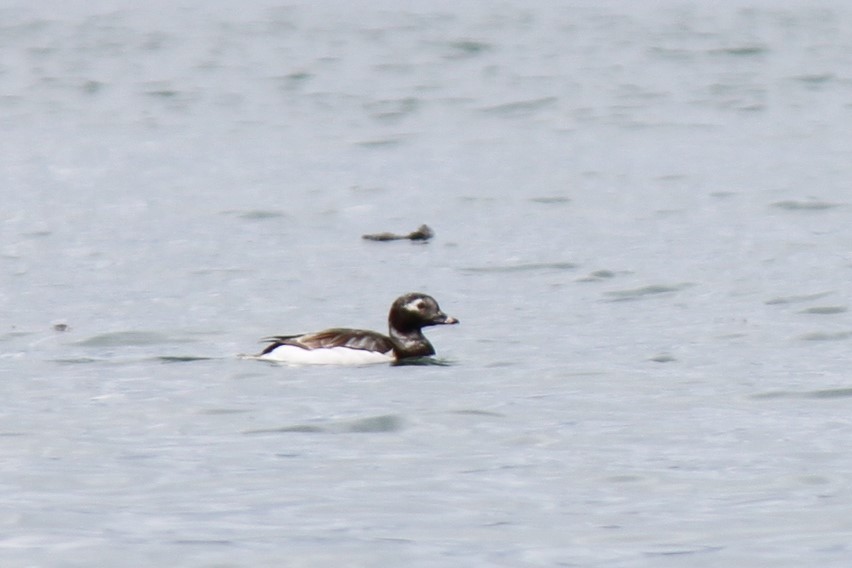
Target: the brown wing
(337, 337)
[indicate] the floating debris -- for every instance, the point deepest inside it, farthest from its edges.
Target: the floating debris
(423, 233)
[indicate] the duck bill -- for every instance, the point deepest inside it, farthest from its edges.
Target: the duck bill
(444, 319)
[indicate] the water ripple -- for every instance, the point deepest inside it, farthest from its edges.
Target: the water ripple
(675, 551)
(826, 336)
(652, 290)
(741, 51)
(529, 267)
(129, 338)
(840, 392)
(600, 275)
(824, 310)
(369, 425)
(181, 358)
(465, 48)
(796, 299)
(550, 200)
(845, 392)
(423, 362)
(255, 214)
(392, 109)
(477, 412)
(811, 205)
(521, 108)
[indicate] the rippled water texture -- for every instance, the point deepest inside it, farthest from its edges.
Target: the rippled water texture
(641, 216)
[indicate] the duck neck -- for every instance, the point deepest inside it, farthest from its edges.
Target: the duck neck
(410, 344)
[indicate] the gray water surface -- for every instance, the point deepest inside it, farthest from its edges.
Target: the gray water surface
(642, 221)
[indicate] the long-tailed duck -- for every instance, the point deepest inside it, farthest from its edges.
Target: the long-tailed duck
(422, 233)
(408, 315)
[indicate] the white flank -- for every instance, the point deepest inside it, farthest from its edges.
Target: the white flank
(331, 356)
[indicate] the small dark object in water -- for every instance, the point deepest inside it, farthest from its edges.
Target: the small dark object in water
(60, 327)
(423, 233)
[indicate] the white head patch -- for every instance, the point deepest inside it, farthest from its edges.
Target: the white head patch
(415, 305)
